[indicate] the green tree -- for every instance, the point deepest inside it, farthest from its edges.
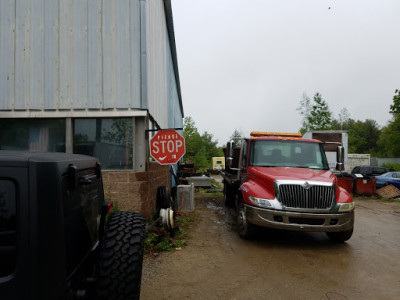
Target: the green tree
(199, 148)
(344, 117)
(390, 134)
(304, 109)
(316, 114)
(395, 107)
(389, 139)
(236, 137)
(320, 117)
(192, 139)
(363, 137)
(211, 146)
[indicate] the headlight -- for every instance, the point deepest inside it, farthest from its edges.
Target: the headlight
(343, 207)
(260, 202)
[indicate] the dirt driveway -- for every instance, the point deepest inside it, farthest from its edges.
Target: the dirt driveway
(218, 264)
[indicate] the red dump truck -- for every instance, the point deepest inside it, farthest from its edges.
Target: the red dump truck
(283, 181)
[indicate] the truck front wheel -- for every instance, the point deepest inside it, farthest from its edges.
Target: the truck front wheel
(340, 236)
(245, 229)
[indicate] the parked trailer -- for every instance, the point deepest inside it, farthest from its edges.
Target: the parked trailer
(331, 138)
(356, 160)
(218, 163)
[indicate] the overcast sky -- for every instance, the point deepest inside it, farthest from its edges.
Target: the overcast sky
(245, 64)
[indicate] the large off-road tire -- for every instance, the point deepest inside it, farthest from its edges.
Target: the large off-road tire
(340, 236)
(163, 198)
(119, 269)
(245, 229)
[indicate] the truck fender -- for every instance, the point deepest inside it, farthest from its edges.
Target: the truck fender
(343, 196)
(250, 188)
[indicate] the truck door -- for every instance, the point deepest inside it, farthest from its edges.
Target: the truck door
(243, 161)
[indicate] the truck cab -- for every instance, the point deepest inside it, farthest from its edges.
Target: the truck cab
(283, 181)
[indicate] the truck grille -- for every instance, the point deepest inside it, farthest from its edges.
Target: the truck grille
(303, 194)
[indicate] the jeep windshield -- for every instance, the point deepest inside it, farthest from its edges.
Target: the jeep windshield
(285, 153)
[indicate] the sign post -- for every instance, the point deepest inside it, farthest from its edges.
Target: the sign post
(167, 147)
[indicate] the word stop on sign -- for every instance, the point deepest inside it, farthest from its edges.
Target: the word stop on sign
(167, 147)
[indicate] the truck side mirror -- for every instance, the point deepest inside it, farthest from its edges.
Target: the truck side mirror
(340, 158)
(229, 153)
(229, 148)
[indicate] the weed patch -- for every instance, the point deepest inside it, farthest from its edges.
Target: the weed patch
(158, 239)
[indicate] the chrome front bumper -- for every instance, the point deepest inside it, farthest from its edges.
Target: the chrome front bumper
(299, 221)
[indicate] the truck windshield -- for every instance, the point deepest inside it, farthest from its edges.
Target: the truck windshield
(296, 154)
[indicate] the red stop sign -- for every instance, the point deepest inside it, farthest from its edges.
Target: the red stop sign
(167, 147)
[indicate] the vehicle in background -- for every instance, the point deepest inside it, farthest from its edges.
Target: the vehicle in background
(283, 181)
(358, 160)
(218, 163)
(330, 140)
(385, 179)
(59, 239)
(370, 170)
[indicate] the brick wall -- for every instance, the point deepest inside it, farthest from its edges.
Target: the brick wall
(135, 191)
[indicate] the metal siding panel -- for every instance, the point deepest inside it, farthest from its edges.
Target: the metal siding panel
(156, 61)
(175, 119)
(123, 54)
(7, 43)
(36, 69)
(143, 56)
(51, 70)
(170, 87)
(65, 55)
(79, 58)
(95, 92)
(135, 54)
(64, 59)
(22, 54)
(108, 53)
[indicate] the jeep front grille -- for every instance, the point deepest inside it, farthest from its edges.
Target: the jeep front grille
(305, 194)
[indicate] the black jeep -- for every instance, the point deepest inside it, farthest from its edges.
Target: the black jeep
(57, 237)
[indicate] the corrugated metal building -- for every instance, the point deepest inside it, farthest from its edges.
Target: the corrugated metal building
(91, 77)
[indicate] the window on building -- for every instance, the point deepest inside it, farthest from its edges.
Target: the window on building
(45, 135)
(110, 140)
(8, 227)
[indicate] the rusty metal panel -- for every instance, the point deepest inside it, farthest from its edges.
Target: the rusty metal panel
(7, 39)
(328, 137)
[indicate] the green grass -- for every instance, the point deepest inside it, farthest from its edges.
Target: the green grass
(159, 239)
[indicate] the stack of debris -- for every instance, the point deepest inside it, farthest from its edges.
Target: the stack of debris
(389, 191)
